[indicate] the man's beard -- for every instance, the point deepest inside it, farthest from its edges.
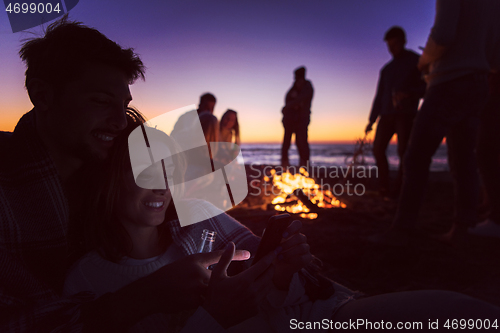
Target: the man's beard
(87, 155)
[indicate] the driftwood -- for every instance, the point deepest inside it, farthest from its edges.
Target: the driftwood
(305, 200)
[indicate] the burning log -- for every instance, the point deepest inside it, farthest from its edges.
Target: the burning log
(310, 198)
(305, 200)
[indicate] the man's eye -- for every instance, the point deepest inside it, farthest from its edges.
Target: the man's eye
(101, 101)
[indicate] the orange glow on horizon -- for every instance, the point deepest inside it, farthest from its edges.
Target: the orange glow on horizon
(252, 132)
(327, 130)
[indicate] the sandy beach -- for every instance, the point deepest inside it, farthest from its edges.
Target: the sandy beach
(338, 238)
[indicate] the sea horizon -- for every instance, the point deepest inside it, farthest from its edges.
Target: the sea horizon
(330, 154)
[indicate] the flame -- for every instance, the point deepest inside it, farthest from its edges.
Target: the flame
(287, 183)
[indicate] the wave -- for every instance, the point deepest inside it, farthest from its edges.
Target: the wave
(329, 155)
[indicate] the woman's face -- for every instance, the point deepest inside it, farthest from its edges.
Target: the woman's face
(143, 207)
(229, 121)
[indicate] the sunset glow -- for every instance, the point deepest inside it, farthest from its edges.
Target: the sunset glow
(245, 54)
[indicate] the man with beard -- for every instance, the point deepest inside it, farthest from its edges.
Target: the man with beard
(78, 81)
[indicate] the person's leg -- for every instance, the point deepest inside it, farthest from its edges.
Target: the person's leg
(404, 124)
(287, 138)
(301, 141)
(425, 139)
(488, 153)
(385, 130)
(462, 141)
(444, 105)
(418, 309)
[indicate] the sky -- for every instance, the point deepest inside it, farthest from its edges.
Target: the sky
(244, 52)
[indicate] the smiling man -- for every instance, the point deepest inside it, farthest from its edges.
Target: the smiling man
(78, 81)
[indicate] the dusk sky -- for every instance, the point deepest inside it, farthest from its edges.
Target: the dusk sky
(244, 52)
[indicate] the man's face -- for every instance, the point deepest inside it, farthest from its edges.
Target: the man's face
(395, 46)
(209, 106)
(88, 113)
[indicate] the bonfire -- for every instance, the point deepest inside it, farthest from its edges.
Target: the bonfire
(299, 194)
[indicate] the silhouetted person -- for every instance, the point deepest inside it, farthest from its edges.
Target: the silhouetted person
(455, 58)
(399, 90)
(207, 103)
(199, 159)
(296, 117)
(183, 124)
(209, 122)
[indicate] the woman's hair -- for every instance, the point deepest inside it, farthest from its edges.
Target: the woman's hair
(236, 127)
(103, 231)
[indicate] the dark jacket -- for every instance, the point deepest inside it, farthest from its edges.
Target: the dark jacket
(298, 102)
(399, 75)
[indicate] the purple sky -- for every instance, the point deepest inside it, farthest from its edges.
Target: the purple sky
(245, 53)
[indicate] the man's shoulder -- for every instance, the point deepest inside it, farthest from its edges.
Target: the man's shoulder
(412, 54)
(387, 66)
(18, 136)
(5, 137)
(6, 142)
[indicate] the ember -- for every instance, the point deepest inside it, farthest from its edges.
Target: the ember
(300, 194)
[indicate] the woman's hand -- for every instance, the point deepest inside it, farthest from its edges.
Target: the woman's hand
(231, 300)
(293, 256)
(174, 287)
(183, 283)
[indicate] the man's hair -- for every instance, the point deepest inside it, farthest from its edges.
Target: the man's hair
(300, 73)
(207, 97)
(395, 32)
(67, 47)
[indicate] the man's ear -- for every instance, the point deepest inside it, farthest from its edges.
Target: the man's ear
(41, 94)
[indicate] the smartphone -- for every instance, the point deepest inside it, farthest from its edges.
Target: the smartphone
(276, 226)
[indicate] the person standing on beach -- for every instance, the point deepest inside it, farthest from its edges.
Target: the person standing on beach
(296, 117)
(455, 59)
(183, 126)
(399, 90)
(209, 122)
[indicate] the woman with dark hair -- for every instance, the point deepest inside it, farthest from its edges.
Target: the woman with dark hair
(229, 127)
(133, 233)
(229, 135)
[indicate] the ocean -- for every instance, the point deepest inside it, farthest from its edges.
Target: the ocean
(330, 155)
